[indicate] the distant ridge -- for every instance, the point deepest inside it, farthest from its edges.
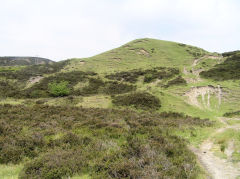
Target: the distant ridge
(23, 61)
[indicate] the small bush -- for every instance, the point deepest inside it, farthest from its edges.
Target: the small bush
(59, 89)
(148, 78)
(93, 87)
(232, 114)
(176, 81)
(141, 100)
(117, 88)
(55, 165)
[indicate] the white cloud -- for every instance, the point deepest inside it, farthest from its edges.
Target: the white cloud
(60, 29)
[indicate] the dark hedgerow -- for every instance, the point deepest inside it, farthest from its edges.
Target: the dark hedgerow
(140, 100)
(149, 74)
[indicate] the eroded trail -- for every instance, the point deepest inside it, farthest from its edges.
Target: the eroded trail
(216, 167)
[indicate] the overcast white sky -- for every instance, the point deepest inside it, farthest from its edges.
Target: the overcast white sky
(61, 29)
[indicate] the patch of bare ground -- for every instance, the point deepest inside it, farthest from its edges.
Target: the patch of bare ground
(205, 93)
(140, 51)
(35, 79)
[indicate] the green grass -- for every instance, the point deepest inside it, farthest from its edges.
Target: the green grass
(128, 57)
(233, 122)
(86, 176)
(10, 171)
(11, 101)
(11, 68)
(139, 54)
(222, 141)
(194, 137)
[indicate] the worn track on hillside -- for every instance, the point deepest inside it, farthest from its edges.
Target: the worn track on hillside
(216, 167)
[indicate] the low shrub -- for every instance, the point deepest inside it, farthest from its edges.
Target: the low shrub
(114, 87)
(63, 141)
(176, 81)
(9, 89)
(54, 165)
(93, 87)
(140, 100)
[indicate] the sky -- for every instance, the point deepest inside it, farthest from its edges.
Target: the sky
(63, 29)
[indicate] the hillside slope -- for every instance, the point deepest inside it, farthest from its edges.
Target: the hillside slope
(22, 61)
(140, 53)
(131, 112)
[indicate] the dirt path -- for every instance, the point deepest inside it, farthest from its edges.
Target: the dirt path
(196, 72)
(216, 167)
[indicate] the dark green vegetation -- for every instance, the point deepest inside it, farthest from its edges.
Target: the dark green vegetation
(105, 143)
(132, 137)
(232, 114)
(92, 84)
(228, 70)
(176, 81)
(8, 89)
(149, 74)
(26, 73)
(42, 89)
(22, 61)
(228, 54)
(139, 100)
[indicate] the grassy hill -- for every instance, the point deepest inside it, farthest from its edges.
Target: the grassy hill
(22, 61)
(130, 112)
(140, 53)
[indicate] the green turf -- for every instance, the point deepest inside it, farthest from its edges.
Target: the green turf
(10, 171)
(141, 53)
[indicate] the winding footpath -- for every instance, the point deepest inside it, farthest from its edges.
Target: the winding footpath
(216, 167)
